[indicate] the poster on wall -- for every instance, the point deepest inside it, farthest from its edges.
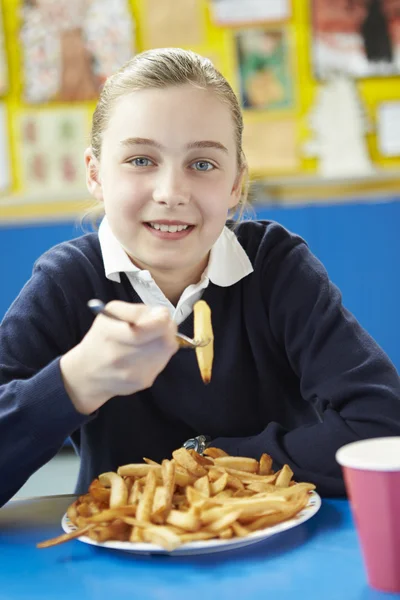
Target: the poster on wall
(265, 76)
(52, 143)
(239, 12)
(271, 146)
(360, 38)
(388, 128)
(339, 123)
(171, 23)
(70, 47)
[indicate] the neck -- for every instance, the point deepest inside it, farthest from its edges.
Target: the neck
(173, 283)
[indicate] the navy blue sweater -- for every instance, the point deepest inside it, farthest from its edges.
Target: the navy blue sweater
(294, 373)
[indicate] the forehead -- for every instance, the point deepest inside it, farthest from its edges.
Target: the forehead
(172, 116)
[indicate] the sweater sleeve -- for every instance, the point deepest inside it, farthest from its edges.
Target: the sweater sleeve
(36, 414)
(347, 377)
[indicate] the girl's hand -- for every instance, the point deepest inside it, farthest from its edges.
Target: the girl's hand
(116, 359)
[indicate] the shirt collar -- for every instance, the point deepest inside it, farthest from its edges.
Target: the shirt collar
(228, 262)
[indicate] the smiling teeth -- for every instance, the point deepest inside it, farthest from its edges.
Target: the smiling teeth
(169, 228)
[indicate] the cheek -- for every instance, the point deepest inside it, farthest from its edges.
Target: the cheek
(124, 195)
(216, 199)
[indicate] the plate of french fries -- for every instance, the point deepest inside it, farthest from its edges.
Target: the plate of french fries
(190, 504)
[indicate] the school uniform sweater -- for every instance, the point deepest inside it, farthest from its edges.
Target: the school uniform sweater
(294, 374)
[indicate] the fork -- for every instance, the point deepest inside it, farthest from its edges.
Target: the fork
(98, 307)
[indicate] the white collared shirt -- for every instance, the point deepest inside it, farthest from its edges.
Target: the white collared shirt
(227, 265)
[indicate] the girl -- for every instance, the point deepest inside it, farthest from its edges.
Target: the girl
(294, 374)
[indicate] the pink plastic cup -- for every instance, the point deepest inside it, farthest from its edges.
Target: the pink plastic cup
(372, 476)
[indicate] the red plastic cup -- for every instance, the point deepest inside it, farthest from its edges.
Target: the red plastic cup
(371, 471)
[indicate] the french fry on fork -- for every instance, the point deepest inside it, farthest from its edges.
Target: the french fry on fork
(203, 331)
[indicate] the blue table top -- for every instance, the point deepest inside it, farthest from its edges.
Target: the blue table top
(319, 559)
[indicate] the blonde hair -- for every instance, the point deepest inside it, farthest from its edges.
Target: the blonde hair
(161, 68)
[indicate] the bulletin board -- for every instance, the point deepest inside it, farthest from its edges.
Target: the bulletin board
(269, 59)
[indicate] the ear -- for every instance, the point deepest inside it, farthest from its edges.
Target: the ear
(93, 180)
(237, 187)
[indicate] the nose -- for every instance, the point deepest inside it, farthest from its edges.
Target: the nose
(171, 189)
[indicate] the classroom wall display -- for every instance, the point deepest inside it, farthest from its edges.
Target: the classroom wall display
(339, 124)
(71, 46)
(52, 143)
(388, 124)
(271, 146)
(234, 12)
(266, 76)
(59, 53)
(359, 37)
(173, 23)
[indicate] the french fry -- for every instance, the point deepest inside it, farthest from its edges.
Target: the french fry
(110, 514)
(214, 452)
(139, 470)
(239, 530)
(265, 465)
(65, 537)
(145, 504)
(135, 493)
(189, 521)
(201, 460)
(250, 465)
(203, 331)
(224, 521)
(98, 492)
(184, 459)
(222, 496)
(185, 499)
(203, 486)
(119, 491)
(161, 536)
(284, 477)
(226, 534)
(148, 461)
(136, 535)
(196, 537)
(219, 484)
(168, 472)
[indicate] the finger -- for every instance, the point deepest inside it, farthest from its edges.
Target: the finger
(129, 311)
(147, 323)
(163, 345)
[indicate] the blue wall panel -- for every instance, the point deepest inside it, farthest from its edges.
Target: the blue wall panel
(359, 245)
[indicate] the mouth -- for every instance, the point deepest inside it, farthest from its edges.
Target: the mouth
(172, 230)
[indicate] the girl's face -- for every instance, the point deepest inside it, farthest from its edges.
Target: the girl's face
(168, 175)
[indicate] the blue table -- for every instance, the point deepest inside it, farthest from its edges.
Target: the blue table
(319, 560)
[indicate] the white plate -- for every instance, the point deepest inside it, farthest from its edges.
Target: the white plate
(206, 546)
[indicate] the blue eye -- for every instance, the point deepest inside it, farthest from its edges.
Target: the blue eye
(203, 165)
(141, 161)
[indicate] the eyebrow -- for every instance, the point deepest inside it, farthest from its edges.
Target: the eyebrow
(134, 141)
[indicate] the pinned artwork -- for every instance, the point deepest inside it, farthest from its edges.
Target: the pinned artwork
(171, 23)
(266, 80)
(52, 146)
(239, 12)
(70, 47)
(271, 146)
(339, 124)
(388, 125)
(360, 38)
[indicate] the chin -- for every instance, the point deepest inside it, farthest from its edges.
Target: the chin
(166, 265)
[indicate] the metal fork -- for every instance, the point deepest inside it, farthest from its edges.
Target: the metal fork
(97, 307)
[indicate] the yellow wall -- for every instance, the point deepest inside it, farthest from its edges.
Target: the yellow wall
(219, 44)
